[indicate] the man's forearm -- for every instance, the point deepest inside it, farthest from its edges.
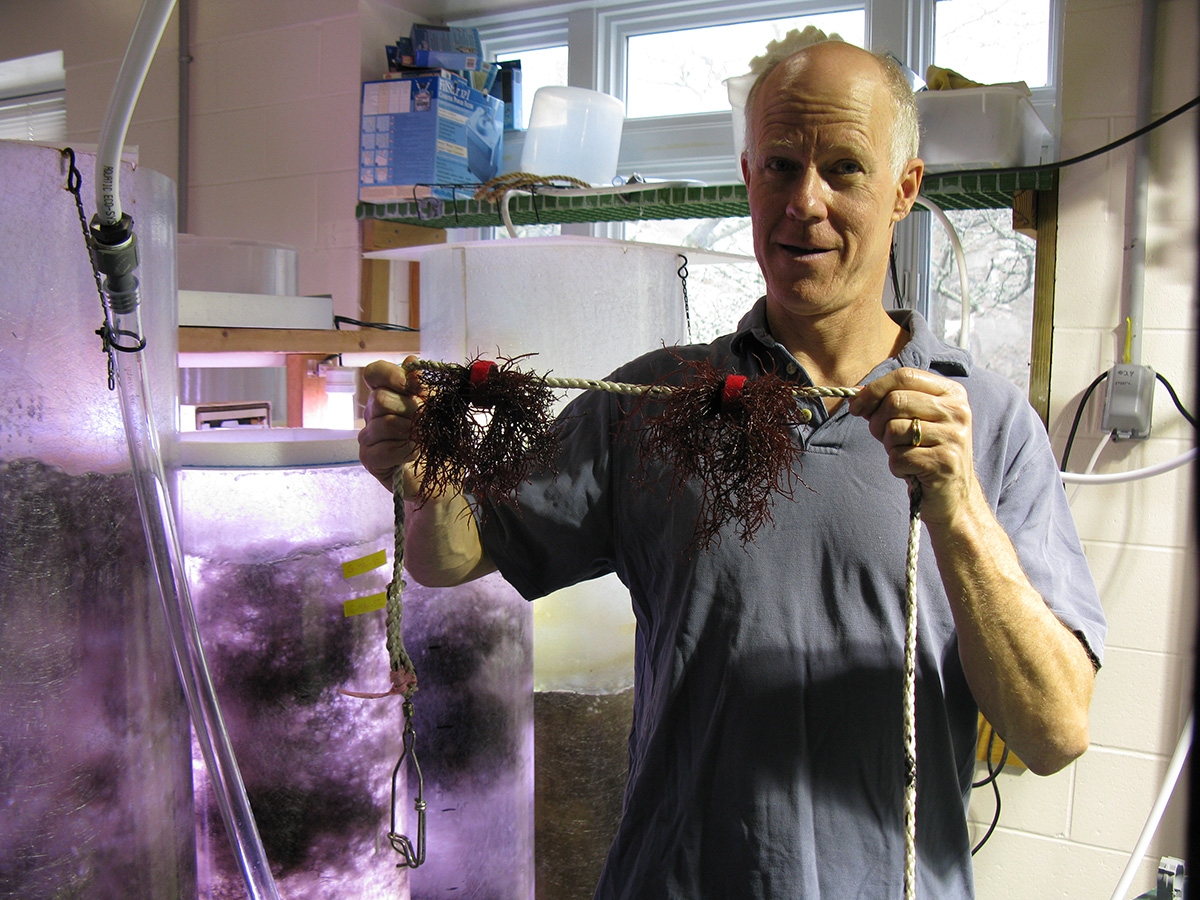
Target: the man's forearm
(1030, 675)
(441, 542)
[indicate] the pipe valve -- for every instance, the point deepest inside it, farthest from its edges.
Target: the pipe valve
(115, 256)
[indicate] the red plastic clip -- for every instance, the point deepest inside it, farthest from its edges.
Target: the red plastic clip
(481, 371)
(731, 393)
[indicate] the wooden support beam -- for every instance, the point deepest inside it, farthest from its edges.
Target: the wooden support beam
(1045, 264)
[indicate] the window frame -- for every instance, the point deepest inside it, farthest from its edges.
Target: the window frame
(700, 146)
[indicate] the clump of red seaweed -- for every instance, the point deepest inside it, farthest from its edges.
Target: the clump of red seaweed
(732, 436)
(483, 428)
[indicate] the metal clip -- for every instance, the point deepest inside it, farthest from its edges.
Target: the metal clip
(400, 843)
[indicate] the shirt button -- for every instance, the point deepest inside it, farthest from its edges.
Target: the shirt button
(792, 369)
(805, 416)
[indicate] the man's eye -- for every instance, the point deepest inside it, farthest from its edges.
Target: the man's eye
(847, 167)
(777, 164)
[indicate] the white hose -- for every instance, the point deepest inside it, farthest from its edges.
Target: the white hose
(964, 334)
(1156, 812)
(151, 22)
(1135, 474)
(504, 211)
(1091, 466)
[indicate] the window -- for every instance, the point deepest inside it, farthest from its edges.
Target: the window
(667, 58)
(543, 67)
(994, 41)
(677, 72)
(33, 104)
(1000, 262)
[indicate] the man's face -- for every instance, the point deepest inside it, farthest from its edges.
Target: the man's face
(823, 197)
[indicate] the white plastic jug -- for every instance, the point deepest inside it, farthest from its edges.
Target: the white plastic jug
(739, 89)
(574, 131)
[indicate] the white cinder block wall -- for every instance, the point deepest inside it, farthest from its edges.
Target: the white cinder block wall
(1071, 835)
(274, 124)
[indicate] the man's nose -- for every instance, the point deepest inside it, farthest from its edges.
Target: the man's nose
(807, 199)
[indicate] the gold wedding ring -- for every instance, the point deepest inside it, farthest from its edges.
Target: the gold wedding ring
(914, 433)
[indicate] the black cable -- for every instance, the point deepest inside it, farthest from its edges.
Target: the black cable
(1083, 157)
(1079, 415)
(1175, 397)
(382, 326)
(991, 779)
(895, 279)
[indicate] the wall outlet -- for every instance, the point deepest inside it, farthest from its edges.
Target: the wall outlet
(1129, 403)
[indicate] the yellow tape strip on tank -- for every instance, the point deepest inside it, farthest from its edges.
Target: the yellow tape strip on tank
(364, 564)
(360, 605)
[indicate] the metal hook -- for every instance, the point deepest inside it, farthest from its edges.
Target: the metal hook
(413, 857)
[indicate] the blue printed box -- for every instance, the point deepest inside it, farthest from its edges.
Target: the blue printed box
(429, 129)
(446, 47)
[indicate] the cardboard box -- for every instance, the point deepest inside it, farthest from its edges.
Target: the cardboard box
(428, 129)
(508, 88)
(441, 46)
(984, 127)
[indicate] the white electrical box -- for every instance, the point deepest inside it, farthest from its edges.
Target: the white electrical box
(1129, 404)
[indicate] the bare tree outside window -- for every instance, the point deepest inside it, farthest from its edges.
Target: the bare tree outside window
(1000, 263)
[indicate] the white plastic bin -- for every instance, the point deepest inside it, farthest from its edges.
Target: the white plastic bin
(980, 127)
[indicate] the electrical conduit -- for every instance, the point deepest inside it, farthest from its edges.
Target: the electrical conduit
(117, 259)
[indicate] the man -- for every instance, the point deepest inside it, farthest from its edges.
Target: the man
(766, 755)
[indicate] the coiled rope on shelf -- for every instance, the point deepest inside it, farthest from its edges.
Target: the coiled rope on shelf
(455, 388)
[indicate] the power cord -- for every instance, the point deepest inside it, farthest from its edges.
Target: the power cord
(991, 779)
(1083, 157)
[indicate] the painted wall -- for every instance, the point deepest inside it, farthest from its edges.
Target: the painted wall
(1070, 835)
(274, 124)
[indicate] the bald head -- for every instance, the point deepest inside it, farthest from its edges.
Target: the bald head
(837, 63)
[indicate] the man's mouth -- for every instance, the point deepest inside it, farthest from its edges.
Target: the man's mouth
(797, 250)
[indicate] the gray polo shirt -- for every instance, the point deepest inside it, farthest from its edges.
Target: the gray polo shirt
(766, 756)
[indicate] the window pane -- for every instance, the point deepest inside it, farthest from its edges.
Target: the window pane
(546, 67)
(994, 41)
(1000, 262)
(678, 72)
(718, 294)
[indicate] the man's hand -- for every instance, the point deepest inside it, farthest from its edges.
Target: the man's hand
(924, 422)
(442, 542)
(384, 443)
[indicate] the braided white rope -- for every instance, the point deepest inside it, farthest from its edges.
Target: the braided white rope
(910, 627)
(910, 692)
(403, 673)
(621, 387)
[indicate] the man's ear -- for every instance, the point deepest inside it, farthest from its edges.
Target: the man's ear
(745, 169)
(907, 188)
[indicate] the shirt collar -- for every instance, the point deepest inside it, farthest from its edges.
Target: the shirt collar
(924, 350)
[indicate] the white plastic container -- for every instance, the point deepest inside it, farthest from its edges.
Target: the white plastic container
(984, 127)
(237, 266)
(574, 131)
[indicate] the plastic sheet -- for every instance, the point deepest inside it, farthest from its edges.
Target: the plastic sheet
(93, 731)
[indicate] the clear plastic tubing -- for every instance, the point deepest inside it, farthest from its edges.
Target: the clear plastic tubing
(154, 498)
(166, 556)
